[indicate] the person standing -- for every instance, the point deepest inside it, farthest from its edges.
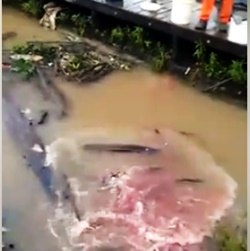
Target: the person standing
(225, 13)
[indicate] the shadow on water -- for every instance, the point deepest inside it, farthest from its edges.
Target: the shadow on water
(25, 206)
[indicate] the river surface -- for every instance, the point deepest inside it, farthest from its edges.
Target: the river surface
(137, 98)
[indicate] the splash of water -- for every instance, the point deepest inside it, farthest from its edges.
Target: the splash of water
(102, 218)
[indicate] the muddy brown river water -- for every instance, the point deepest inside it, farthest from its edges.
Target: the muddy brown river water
(137, 98)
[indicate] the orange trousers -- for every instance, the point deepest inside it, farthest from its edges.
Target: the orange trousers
(226, 9)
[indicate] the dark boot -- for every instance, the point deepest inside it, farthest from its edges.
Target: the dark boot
(223, 27)
(201, 25)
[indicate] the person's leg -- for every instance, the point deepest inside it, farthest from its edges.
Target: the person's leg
(225, 14)
(226, 11)
(206, 10)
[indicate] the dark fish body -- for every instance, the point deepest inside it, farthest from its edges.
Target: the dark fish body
(187, 133)
(157, 131)
(189, 180)
(120, 148)
(68, 195)
(43, 118)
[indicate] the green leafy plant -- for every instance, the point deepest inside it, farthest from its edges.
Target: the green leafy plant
(63, 17)
(228, 240)
(80, 23)
(200, 52)
(117, 35)
(24, 67)
(75, 64)
(21, 49)
(236, 72)
(213, 68)
(136, 37)
(159, 60)
(32, 7)
(90, 21)
(147, 44)
(47, 52)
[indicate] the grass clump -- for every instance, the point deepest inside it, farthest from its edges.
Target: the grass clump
(228, 240)
(160, 58)
(216, 73)
(117, 35)
(80, 24)
(47, 52)
(24, 67)
(33, 7)
(215, 69)
(236, 72)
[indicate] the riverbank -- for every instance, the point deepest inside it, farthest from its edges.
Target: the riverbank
(208, 71)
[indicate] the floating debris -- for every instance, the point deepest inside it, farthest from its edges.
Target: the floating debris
(50, 156)
(34, 58)
(187, 71)
(76, 61)
(72, 37)
(87, 65)
(5, 230)
(82, 63)
(27, 113)
(37, 148)
(49, 18)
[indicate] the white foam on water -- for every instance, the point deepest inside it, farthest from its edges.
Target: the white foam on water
(70, 147)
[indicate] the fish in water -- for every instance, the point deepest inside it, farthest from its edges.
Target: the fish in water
(120, 148)
(189, 180)
(8, 35)
(195, 137)
(49, 18)
(68, 194)
(187, 133)
(43, 118)
(157, 131)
